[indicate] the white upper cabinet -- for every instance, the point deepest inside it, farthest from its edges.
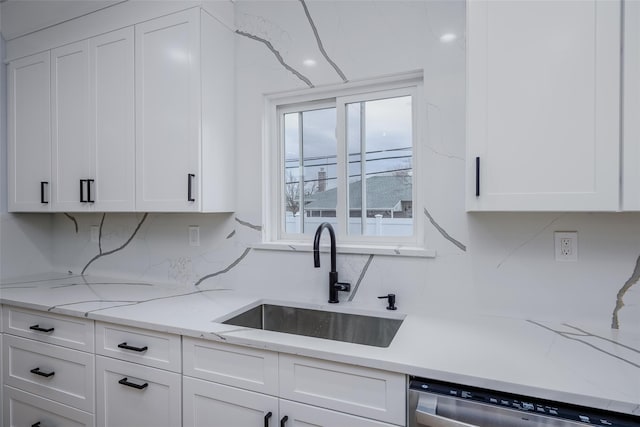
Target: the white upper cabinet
(631, 99)
(29, 132)
(93, 124)
(543, 97)
(174, 139)
(71, 148)
(137, 119)
(112, 121)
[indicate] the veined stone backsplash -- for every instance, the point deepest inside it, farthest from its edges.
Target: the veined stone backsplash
(496, 263)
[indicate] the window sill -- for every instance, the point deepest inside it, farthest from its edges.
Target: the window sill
(401, 251)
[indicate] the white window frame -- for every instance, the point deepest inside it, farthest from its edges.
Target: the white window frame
(273, 234)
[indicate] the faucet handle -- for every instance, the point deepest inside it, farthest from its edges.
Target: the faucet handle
(391, 300)
(343, 286)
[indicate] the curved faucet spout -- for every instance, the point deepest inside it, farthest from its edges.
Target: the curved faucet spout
(334, 285)
(316, 245)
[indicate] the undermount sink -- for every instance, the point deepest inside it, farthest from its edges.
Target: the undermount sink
(347, 327)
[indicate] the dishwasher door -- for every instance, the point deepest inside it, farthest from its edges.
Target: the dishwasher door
(433, 410)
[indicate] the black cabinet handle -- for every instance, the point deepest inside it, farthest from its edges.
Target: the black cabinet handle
(82, 200)
(42, 374)
(266, 419)
(43, 199)
(125, 381)
(128, 347)
(39, 329)
(89, 183)
(477, 176)
(284, 420)
(189, 187)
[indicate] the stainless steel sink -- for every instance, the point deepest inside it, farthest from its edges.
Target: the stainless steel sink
(353, 328)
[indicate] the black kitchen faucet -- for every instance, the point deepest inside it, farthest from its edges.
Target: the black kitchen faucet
(334, 285)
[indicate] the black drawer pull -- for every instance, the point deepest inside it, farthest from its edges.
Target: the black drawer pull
(477, 176)
(43, 199)
(39, 329)
(42, 374)
(82, 199)
(128, 347)
(36, 424)
(89, 185)
(125, 381)
(284, 420)
(189, 187)
(266, 419)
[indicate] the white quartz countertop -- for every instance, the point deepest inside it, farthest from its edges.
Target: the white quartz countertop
(572, 363)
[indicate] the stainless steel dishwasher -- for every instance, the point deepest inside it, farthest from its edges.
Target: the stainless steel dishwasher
(441, 404)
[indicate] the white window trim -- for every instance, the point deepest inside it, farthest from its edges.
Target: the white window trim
(272, 236)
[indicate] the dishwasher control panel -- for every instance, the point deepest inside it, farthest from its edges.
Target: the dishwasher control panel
(547, 408)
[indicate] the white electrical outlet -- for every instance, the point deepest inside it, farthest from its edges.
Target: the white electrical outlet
(566, 246)
(194, 235)
(95, 233)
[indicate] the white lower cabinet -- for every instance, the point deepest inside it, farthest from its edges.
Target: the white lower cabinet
(296, 414)
(207, 404)
(133, 395)
(22, 409)
(238, 386)
(48, 370)
(54, 372)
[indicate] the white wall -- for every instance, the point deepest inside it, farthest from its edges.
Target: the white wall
(508, 266)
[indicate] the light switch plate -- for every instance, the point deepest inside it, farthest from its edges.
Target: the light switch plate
(194, 235)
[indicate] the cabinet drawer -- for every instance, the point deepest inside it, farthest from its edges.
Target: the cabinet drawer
(243, 367)
(53, 372)
(353, 389)
(155, 349)
(129, 394)
(26, 409)
(51, 328)
(299, 414)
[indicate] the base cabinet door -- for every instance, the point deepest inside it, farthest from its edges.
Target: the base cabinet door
(208, 404)
(295, 414)
(129, 394)
(26, 409)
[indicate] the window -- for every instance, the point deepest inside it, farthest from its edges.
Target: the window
(348, 156)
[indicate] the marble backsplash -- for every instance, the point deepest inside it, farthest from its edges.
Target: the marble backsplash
(496, 263)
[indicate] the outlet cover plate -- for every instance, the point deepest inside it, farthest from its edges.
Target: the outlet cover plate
(566, 246)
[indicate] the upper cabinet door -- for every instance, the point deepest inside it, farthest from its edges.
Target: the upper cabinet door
(29, 125)
(168, 113)
(543, 96)
(111, 82)
(72, 150)
(631, 124)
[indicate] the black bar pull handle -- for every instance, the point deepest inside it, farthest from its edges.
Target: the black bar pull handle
(477, 176)
(89, 185)
(39, 329)
(37, 371)
(82, 199)
(190, 187)
(284, 420)
(36, 424)
(266, 419)
(125, 381)
(43, 193)
(129, 347)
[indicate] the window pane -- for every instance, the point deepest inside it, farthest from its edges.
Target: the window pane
(379, 141)
(292, 172)
(310, 170)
